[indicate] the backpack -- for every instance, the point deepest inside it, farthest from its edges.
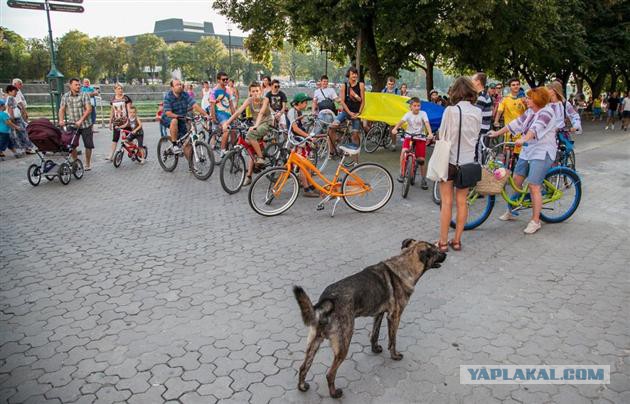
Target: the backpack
(327, 103)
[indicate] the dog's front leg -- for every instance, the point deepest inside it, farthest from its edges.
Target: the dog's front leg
(376, 348)
(393, 320)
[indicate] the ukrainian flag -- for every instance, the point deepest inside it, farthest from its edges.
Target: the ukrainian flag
(390, 108)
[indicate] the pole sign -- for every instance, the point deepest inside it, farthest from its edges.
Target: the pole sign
(27, 5)
(68, 8)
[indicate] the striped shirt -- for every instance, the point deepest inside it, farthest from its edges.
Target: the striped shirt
(562, 115)
(75, 106)
(484, 103)
(543, 125)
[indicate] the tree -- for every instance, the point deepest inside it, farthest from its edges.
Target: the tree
(75, 54)
(181, 56)
(209, 53)
(13, 53)
(292, 62)
(38, 62)
(111, 56)
(147, 52)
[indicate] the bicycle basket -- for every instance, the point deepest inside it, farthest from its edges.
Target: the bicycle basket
(489, 185)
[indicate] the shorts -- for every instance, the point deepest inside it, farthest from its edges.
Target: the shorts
(534, 170)
(420, 146)
(181, 125)
(138, 136)
(611, 113)
(222, 117)
(88, 137)
(115, 135)
(343, 116)
(626, 114)
(597, 111)
(260, 131)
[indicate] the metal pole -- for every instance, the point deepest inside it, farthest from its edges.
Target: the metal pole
(326, 56)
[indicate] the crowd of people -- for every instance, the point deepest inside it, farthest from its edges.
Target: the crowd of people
(473, 108)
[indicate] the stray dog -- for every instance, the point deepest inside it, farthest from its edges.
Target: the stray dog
(382, 288)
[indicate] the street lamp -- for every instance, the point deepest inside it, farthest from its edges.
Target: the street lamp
(325, 50)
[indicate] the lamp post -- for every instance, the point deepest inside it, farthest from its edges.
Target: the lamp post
(230, 47)
(55, 78)
(325, 50)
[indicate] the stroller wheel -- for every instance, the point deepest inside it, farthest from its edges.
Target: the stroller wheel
(65, 173)
(118, 158)
(77, 169)
(34, 175)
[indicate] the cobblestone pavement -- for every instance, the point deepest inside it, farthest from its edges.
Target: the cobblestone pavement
(137, 285)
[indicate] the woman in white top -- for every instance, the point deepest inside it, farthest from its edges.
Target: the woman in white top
(205, 96)
(563, 110)
(463, 96)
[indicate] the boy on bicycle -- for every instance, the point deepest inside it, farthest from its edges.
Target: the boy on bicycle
(296, 128)
(417, 127)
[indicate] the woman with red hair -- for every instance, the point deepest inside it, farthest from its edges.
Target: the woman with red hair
(539, 149)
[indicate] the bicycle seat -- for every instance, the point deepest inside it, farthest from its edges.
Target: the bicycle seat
(350, 149)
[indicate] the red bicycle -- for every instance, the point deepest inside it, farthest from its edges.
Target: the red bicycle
(135, 152)
(409, 166)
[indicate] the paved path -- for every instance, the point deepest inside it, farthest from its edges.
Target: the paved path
(137, 285)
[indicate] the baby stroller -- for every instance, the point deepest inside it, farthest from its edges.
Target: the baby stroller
(50, 139)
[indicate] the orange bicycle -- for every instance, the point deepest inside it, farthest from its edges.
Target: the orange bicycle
(366, 187)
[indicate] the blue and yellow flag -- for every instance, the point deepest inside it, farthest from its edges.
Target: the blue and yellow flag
(390, 108)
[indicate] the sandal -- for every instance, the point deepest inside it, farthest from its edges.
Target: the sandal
(442, 247)
(455, 245)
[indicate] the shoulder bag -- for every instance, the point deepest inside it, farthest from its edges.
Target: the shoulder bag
(467, 174)
(437, 168)
(327, 103)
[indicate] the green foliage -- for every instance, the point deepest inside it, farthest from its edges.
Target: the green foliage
(147, 51)
(208, 55)
(13, 54)
(75, 54)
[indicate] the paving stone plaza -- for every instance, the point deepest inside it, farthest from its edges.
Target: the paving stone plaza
(140, 286)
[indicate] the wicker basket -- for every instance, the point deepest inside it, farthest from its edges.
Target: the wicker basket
(488, 185)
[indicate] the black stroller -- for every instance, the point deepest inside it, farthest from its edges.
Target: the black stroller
(50, 139)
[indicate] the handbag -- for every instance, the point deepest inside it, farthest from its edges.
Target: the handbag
(327, 103)
(467, 174)
(489, 185)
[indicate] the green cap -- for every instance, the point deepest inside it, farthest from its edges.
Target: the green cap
(300, 97)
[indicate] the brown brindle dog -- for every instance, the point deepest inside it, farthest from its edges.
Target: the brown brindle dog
(382, 288)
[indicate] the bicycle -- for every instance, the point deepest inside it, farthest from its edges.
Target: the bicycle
(377, 136)
(561, 186)
(409, 167)
(566, 153)
(276, 189)
(133, 150)
(201, 159)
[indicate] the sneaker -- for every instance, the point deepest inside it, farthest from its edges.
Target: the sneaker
(613, 126)
(260, 161)
(606, 128)
(532, 227)
(247, 181)
(423, 184)
(400, 179)
(507, 216)
(177, 149)
(392, 147)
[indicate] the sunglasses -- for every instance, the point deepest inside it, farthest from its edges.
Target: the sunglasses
(276, 86)
(225, 79)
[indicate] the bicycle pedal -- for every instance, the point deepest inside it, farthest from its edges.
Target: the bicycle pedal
(320, 206)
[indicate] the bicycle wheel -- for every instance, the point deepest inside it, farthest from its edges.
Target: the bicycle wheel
(166, 158)
(145, 151)
(567, 183)
(479, 209)
(386, 139)
(77, 169)
(435, 195)
(372, 139)
(215, 145)
(34, 174)
(203, 163)
(380, 187)
(322, 153)
(118, 158)
(570, 160)
(233, 170)
(274, 191)
(407, 176)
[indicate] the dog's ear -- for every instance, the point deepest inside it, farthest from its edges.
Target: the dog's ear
(406, 243)
(428, 255)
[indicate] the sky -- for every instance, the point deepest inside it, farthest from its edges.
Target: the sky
(111, 17)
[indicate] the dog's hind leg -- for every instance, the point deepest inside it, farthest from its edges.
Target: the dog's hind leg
(314, 341)
(376, 329)
(340, 345)
(393, 320)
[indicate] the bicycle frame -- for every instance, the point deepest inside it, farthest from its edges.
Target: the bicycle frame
(329, 189)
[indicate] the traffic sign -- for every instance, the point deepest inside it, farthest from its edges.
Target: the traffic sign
(28, 5)
(68, 8)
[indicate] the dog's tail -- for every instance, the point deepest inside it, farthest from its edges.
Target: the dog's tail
(306, 306)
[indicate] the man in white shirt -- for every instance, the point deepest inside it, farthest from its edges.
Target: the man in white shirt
(625, 114)
(19, 98)
(324, 97)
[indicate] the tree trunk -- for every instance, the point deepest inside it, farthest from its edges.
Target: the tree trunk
(613, 81)
(429, 75)
(579, 84)
(371, 56)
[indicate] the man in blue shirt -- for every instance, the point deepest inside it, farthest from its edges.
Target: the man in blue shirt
(390, 87)
(92, 93)
(177, 103)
